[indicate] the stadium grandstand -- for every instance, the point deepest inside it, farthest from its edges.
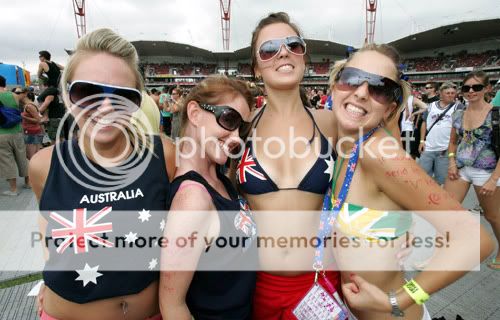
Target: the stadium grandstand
(443, 53)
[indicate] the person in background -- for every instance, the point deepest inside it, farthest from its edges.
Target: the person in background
(433, 145)
(176, 95)
(13, 161)
(165, 111)
(51, 109)
(32, 127)
(472, 159)
(49, 70)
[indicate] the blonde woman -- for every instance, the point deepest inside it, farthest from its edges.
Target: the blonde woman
(101, 78)
(368, 188)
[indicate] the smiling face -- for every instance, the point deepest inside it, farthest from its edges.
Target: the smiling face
(217, 142)
(356, 108)
(471, 95)
(285, 70)
(102, 124)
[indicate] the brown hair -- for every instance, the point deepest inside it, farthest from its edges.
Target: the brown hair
(389, 52)
(479, 75)
(272, 18)
(211, 91)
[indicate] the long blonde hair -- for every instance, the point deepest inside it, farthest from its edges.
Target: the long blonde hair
(106, 41)
(389, 52)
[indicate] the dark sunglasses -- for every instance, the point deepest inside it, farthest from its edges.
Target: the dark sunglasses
(226, 117)
(86, 94)
(475, 88)
(429, 87)
(270, 48)
(382, 89)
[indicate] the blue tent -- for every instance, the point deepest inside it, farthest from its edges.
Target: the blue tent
(13, 74)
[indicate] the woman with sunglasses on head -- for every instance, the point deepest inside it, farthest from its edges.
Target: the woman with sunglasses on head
(205, 204)
(293, 180)
(472, 156)
(85, 199)
(370, 190)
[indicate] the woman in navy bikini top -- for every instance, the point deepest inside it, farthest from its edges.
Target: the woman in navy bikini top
(253, 179)
(278, 51)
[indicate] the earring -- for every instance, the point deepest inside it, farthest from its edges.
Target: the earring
(258, 77)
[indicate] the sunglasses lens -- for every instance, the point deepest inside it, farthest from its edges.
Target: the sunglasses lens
(230, 119)
(79, 91)
(131, 95)
(296, 45)
(269, 49)
(381, 89)
(477, 87)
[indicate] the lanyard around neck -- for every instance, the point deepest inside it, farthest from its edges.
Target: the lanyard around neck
(331, 210)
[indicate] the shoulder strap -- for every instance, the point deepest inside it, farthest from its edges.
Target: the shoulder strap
(441, 115)
(495, 123)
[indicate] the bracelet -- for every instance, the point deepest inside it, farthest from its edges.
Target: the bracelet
(422, 141)
(451, 155)
(416, 292)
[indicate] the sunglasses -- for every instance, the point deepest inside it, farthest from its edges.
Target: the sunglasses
(429, 87)
(87, 94)
(475, 88)
(226, 117)
(382, 89)
(270, 48)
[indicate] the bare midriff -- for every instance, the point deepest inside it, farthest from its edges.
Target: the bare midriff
(138, 306)
(287, 223)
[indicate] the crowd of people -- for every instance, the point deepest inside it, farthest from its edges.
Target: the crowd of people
(239, 185)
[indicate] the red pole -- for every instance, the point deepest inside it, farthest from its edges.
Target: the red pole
(225, 11)
(371, 16)
(80, 19)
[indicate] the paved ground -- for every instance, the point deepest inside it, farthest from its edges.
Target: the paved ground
(475, 296)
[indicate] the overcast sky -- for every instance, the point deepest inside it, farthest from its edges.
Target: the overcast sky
(29, 26)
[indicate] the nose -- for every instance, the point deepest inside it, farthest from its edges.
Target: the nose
(105, 106)
(362, 92)
(283, 50)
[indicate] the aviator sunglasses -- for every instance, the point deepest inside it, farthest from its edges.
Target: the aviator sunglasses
(475, 88)
(226, 117)
(382, 89)
(270, 48)
(80, 93)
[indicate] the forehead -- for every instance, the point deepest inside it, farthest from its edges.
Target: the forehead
(104, 68)
(275, 31)
(473, 80)
(374, 62)
(236, 101)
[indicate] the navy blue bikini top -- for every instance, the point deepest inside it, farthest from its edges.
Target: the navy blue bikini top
(252, 178)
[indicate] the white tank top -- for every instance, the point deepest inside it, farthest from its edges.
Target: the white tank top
(407, 124)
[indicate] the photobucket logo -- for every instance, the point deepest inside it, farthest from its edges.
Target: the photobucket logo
(275, 147)
(124, 119)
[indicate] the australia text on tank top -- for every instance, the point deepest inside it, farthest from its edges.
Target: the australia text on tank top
(103, 243)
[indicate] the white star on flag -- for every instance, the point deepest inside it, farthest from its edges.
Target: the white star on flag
(162, 224)
(329, 170)
(144, 215)
(88, 274)
(131, 237)
(152, 264)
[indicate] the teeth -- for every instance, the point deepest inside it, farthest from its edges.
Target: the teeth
(104, 122)
(355, 110)
(285, 68)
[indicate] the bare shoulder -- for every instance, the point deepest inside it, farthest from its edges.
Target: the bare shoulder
(192, 196)
(325, 119)
(39, 167)
(169, 153)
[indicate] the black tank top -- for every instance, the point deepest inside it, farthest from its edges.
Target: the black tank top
(224, 294)
(79, 214)
(53, 74)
